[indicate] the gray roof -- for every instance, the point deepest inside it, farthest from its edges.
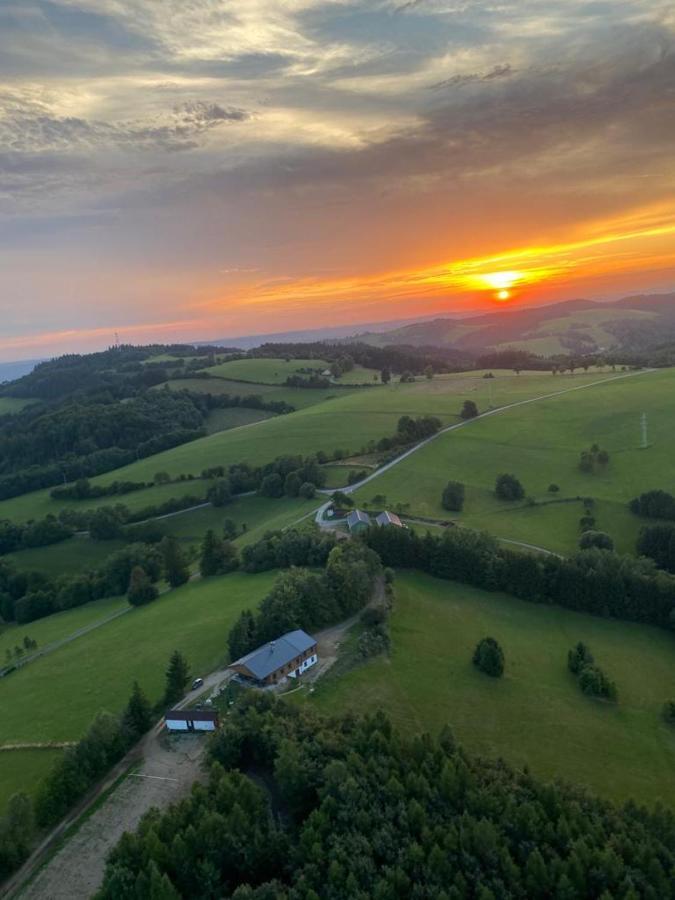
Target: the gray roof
(192, 715)
(356, 516)
(388, 518)
(270, 657)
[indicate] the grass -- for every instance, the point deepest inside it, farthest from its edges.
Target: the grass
(73, 555)
(65, 689)
(536, 714)
(348, 422)
(235, 417)
(58, 626)
(13, 404)
(265, 370)
(22, 770)
(541, 443)
(298, 398)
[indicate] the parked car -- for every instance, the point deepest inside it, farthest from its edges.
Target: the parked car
(197, 683)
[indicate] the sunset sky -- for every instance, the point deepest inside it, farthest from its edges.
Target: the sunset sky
(195, 169)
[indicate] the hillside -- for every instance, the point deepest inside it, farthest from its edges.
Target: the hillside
(575, 326)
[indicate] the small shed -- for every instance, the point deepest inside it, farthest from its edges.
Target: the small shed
(192, 720)
(358, 520)
(388, 518)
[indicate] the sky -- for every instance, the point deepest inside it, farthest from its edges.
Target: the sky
(196, 169)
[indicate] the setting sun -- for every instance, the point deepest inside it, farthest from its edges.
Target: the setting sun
(503, 295)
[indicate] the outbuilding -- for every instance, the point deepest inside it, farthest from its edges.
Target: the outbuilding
(388, 518)
(288, 657)
(192, 720)
(358, 520)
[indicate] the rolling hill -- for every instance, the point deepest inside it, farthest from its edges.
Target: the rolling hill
(575, 326)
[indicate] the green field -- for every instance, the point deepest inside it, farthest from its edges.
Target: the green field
(22, 770)
(234, 417)
(265, 371)
(536, 714)
(298, 398)
(73, 555)
(13, 405)
(57, 696)
(541, 443)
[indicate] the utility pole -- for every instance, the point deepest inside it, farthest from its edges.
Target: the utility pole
(645, 431)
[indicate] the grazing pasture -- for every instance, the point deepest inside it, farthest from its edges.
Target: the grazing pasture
(535, 715)
(541, 444)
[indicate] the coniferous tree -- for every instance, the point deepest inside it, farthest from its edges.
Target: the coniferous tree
(137, 717)
(177, 677)
(176, 567)
(489, 657)
(141, 589)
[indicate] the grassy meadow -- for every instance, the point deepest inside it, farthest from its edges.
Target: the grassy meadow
(540, 443)
(235, 417)
(536, 715)
(298, 398)
(13, 404)
(22, 770)
(265, 370)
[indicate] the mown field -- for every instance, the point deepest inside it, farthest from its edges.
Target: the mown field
(22, 770)
(541, 443)
(13, 405)
(235, 417)
(536, 715)
(56, 697)
(298, 398)
(265, 370)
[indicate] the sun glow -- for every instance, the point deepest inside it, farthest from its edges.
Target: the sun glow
(501, 281)
(503, 295)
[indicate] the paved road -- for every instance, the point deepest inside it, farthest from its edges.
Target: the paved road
(492, 412)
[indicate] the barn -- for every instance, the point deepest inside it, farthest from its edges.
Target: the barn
(191, 720)
(287, 657)
(358, 520)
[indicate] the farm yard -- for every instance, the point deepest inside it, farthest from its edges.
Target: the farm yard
(536, 715)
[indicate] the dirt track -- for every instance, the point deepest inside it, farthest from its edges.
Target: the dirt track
(76, 871)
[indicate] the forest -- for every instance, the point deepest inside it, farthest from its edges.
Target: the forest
(349, 809)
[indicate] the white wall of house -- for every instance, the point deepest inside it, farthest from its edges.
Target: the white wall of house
(310, 661)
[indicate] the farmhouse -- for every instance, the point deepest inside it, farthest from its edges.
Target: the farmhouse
(191, 720)
(357, 520)
(388, 518)
(287, 657)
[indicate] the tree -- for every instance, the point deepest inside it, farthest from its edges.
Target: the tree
(598, 539)
(429, 373)
(385, 376)
(176, 567)
(579, 657)
(105, 524)
(453, 496)
(507, 487)
(220, 493)
(469, 410)
(141, 590)
(137, 717)
(307, 490)
(161, 478)
(668, 712)
(407, 377)
(292, 484)
(177, 677)
(272, 485)
(229, 529)
(489, 657)
(341, 500)
(217, 556)
(553, 488)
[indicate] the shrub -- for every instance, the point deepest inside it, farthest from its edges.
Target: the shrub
(508, 487)
(668, 712)
(453, 496)
(553, 489)
(597, 539)
(469, 410)
(594, 683)
(307, 490)
(489, 657)
(579, 657)
(141, 589)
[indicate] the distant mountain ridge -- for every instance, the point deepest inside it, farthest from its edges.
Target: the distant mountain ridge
(572, 326)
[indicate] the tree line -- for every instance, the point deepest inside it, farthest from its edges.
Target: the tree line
(364, 811)
(305, 599)
(594, 581)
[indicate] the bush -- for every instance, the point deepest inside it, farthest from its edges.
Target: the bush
(453, 496)
(489, 657)
(469, 410)
(668, 712)
(553, 489)
(141, 589)
(307, 490)
(597, 539)
(507, 487)
(594, 683)
(579, 657)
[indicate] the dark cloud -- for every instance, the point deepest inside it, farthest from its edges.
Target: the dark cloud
(502, 71)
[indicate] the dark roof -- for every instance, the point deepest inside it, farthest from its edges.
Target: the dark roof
(193, 715)
(356, 516)
(273, 656)
(388, 518)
